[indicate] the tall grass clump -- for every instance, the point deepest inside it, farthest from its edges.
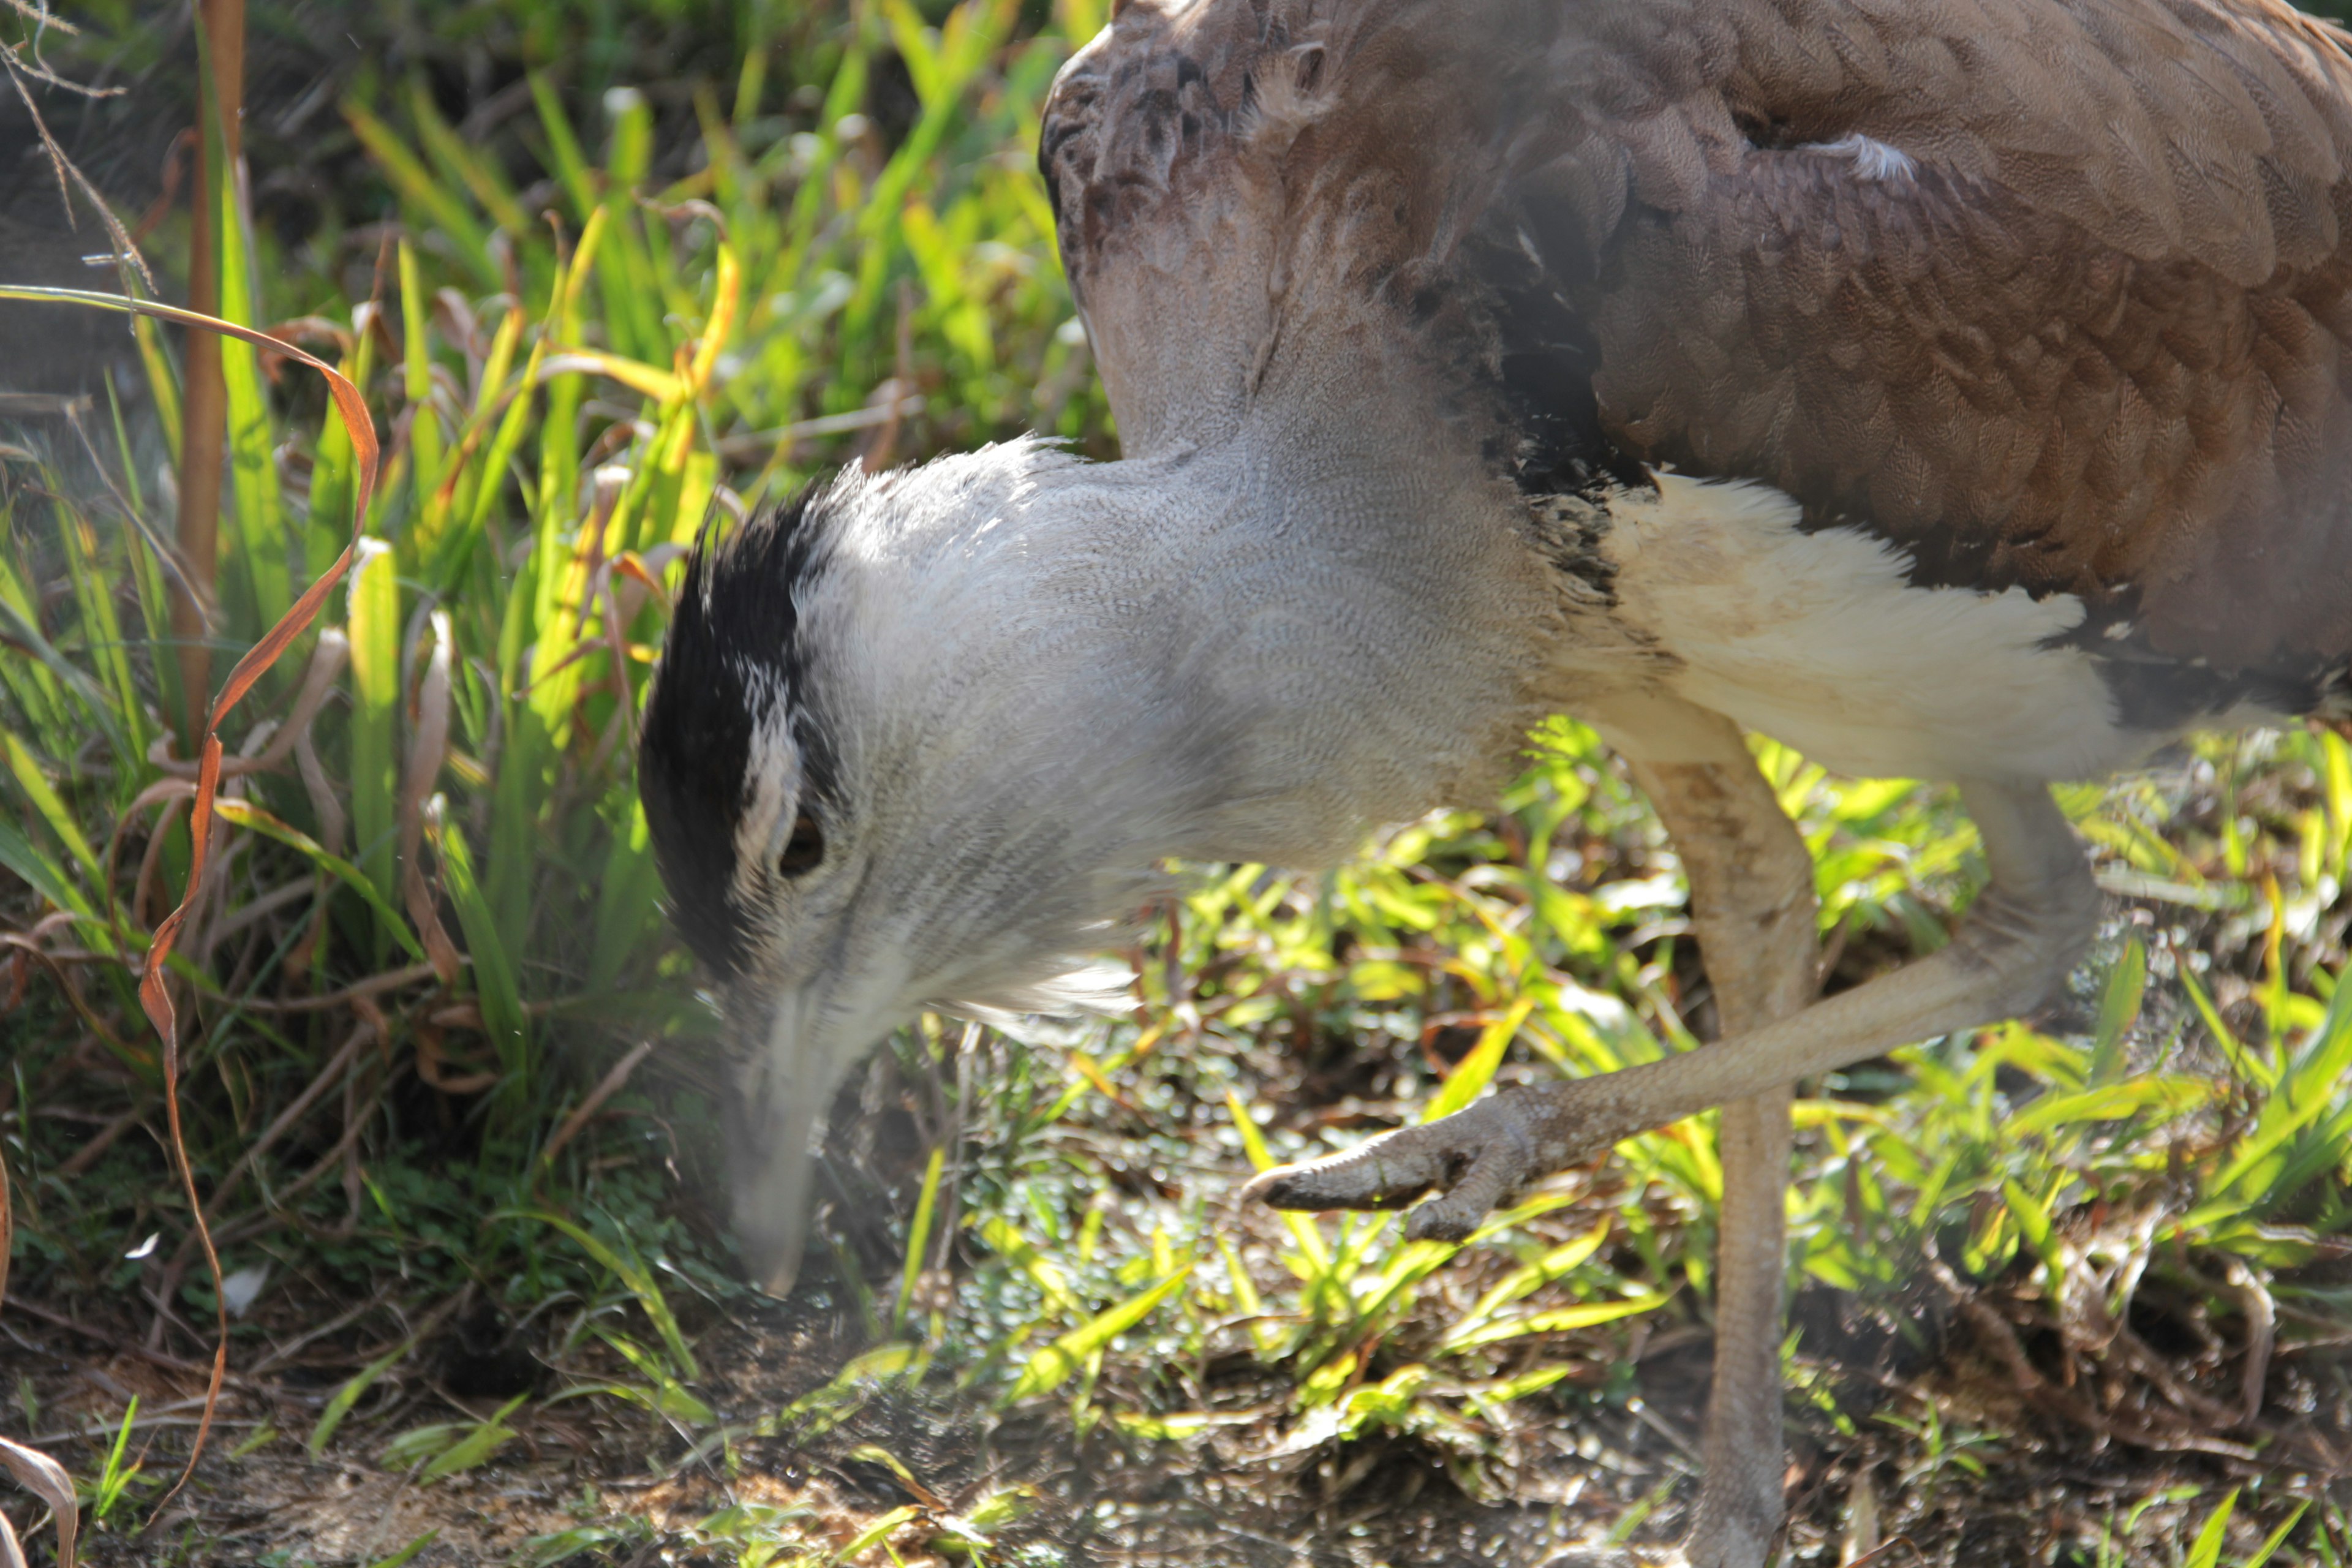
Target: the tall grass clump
(430, 907)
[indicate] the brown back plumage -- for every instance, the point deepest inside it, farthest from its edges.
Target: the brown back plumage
(2096, 339)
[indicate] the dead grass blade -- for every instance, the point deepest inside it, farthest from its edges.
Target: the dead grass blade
(47, 1479)
(327, 1077)
(327, 661)
(606, 1086)
(429, 749)
(2262, 1331)
(373, 985)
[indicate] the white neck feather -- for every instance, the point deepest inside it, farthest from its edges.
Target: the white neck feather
(1213, 654)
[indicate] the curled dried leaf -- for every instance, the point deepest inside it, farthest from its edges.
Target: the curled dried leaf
(46, 1480)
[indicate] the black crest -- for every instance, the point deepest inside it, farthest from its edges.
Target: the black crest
(734, 651)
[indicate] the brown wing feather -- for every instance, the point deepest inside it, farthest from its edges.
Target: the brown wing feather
(2095, 342)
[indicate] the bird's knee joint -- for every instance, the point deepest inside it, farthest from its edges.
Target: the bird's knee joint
(2032, 939)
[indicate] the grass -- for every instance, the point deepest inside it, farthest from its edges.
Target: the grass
(2073, 1294)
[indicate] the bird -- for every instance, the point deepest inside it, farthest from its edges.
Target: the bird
(1958, 390)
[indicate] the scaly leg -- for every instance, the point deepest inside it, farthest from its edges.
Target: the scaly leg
(1752, 898)
(1751, 881)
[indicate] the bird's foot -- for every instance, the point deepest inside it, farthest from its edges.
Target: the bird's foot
(1475, 1158)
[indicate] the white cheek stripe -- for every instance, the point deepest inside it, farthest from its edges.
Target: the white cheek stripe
(1818, 640)
(773, 770)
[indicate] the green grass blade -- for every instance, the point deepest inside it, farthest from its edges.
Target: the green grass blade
(256, 522)
(428, 510)
(53, 810)
(667, 1397)
(2335, 758)
(1003, 1238)
(919, 1238)
(245, 813)
(460, 163)
(2205, 1551)
(2033, 1217)
(876, 1533)
(628, 895)
(335, 476)
(162, 382)
(1061, 1361)
(17, 626)
(1557, 1321)
(102, 635)
(353, 1389)
(1553, 1264)
(427, 197)
(572, 169)
(2277, 1538)
(2119, 1005)
(486, 1439)
(408, 1554)
(512, 427)
(375, 630)
(1471, 1076)
(1302, 1228)
(825, 1408)
(632, 1275)
(2171, 1095)
(20, 855)
(498, 992)
(2307, 1088)
(2242, 1061)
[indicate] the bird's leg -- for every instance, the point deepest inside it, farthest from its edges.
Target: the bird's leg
(1751, 889)
(2011, 955)
(1752, 899)
(1751, 881)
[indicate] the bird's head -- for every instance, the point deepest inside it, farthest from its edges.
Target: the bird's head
(927, 739)
(858, 762)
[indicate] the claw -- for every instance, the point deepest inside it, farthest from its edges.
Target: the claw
(1376, 1174)
(1476, 1159)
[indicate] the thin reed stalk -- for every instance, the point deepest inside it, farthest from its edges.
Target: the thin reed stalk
(203, 415)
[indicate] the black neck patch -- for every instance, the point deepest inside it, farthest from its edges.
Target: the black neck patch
(1539, 354)
(735, 650)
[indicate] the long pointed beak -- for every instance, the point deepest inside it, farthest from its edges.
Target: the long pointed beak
(774, 1176)
(802, 1044)
(772, 1125)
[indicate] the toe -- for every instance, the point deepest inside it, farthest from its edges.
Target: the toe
(1386, 1172)
(1492, 1178)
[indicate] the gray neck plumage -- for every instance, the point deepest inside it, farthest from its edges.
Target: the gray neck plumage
(1295, 653)
(1363, 633)
(1214, 653)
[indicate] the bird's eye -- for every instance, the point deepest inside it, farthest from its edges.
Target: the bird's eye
(803, 849)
